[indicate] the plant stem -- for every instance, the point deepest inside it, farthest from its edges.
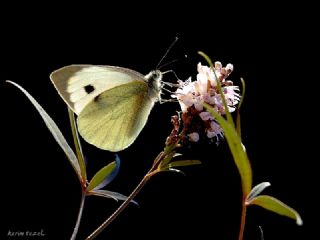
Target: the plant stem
(243, 218)
(78, 148)
(119, 209)
(134, 193)
(76, 227)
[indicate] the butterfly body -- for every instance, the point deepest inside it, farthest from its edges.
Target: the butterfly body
(112, 103)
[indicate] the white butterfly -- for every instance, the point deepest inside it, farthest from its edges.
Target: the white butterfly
(112, 103)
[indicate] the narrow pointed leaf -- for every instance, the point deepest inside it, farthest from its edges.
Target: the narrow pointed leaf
(239, 155)
(243, 83)
(164, 163)
(109, 194)
(53, 128)
(257, 190)
(238, 123)
(98, 179)
(183, 163)
(109, 178)
(77, 145)
(233, 139)
(275, 205)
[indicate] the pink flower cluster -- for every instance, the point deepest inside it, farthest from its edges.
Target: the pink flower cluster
(192, 94)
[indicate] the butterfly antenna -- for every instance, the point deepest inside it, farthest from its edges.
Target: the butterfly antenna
(166, 53)
(175, 60)
(166, 64)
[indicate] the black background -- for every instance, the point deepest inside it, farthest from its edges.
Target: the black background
(272, 48)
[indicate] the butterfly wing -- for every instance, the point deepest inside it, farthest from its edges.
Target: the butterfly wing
(114, 119)
(78, 85)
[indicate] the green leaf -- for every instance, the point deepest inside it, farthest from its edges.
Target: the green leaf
(257, 190)
(164, 162)
(238, 152)
(183, 163)
(238, 123)
(243, 83)
(53, 128)
(109, 194)
(77, 145)
(233, 138)
(108, 179)
(101, 175)
(275, 205)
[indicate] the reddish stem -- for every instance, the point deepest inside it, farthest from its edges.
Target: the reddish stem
(243, 218)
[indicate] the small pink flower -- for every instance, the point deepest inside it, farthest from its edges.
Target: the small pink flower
(205, 116)
(206, 74)
(215, 130)
(204, 89)
(193, 94)
(194, 137)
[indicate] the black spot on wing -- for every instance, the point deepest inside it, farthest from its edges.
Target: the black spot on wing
(89, 88)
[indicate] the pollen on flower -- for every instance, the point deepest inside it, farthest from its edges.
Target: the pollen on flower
(191, 96)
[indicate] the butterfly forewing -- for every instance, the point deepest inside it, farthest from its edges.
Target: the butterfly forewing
(113, 120)
(78, 85)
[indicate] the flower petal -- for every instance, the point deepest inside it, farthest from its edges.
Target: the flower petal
(194, 137)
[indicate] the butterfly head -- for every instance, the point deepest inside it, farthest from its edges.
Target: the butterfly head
(153, 79)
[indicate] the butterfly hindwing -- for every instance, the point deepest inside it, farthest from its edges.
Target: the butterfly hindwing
(113, 120)
(78, 85)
